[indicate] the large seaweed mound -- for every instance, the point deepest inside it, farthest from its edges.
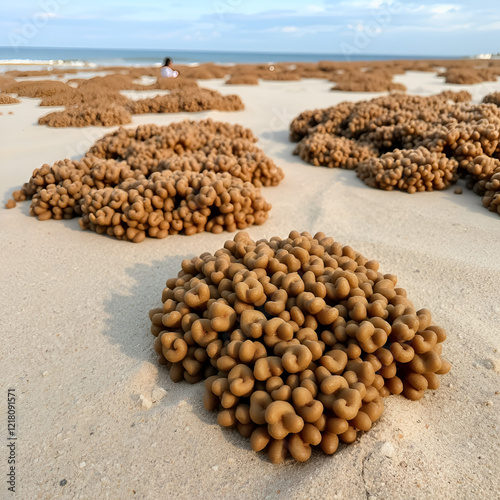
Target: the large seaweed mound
(366, 81)
(108, 108)
(298, 340)
(410, 143)
(158, 180)
(98, 102)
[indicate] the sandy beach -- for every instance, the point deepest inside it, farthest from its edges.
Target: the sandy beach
(79, 353)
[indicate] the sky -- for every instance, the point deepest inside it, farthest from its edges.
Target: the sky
(389, 27)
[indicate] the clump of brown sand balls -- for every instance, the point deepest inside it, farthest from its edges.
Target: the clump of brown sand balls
(491, 198)
(410, 143)
(101, 112)
(298, 340)
(37, 88)
(191, 146)
(85, 116)
(326, 120)
(493, 98)
(157, 181)
(281, 76)
(98, 101)
(205, 71)
(174, 83)
(187, 100)
(333, 152)
(173, 202)
(409, 170)
(7, 99)
(468, 75)
(459, 96)
(242, 80)
(88, 97)
(359, 81)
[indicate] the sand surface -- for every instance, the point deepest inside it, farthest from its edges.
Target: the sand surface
(76, 344)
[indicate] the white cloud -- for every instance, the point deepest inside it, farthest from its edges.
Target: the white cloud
(359, 4)
(490, 27)
(315, 8)
(430, 29)
(444, 8)
(301, 30)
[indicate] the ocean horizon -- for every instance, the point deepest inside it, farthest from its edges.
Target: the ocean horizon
(88, 57)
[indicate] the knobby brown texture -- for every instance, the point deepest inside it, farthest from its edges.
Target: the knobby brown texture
(410, 143)
(159, 180)
(298, 340)
(7, 99)
(98, 102)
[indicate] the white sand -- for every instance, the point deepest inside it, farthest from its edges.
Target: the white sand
(77, 348)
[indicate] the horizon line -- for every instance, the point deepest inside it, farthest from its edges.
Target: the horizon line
(239, 51)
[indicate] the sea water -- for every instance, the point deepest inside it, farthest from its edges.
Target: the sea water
(11, 57)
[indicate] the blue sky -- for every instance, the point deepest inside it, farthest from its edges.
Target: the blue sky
(328, 26)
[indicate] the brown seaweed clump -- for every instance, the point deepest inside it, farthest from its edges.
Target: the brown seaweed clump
(397, 169)
(333, 152)
(456, 96)
(174, 83)
(157, 181)
(281, 76)
(36, 88)
(91, 107)
(298, 341)
(410, 143)
(187, 100)
(169, 203)
(191, 146)
(493, 98)
(242, 79)
(369, 81)
(205, 71)
(97, 101)
(85, 116)
(466, 75)
(88, 97)
(491, 198)
(7, 99)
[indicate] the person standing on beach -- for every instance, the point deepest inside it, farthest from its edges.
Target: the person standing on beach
(167, 71)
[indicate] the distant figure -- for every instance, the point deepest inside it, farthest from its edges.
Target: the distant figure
(167, 71)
